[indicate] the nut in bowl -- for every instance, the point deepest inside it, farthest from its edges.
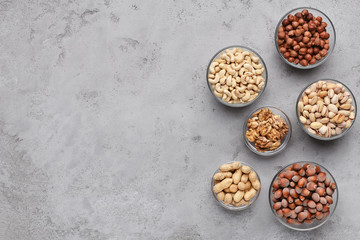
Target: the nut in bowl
(235, 185)
(267, 131)
(326, 109)
(305, 38)
(236, 76)
(303, 195)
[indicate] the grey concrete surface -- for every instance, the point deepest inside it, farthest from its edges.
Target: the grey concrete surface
(108, 129)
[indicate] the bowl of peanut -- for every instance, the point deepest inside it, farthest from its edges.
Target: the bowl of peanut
(303, 195)
(236, 76)
(235, 185)
(326, 109)
(305, 37)
(267, 131)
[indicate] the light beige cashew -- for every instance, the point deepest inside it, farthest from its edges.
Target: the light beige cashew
(248, 67)
(211, 76)
(233, 82)
(233, 95)
(232, 57)
(215, 80)
(218, 88)
(253, 87)
(257, 66)
(228, 94)
(259, 71)
(223, 65)
(261, 85)
(248, 74)
(228, 81)
(247, 60)
(254, 58)
(236, 67)
(212, 67)
(212, 86)
(220, 95)
(230, 70)
(242, 71)
(224, 98)
(219, 60)
(239, 94)
(259, 79)
(245, 53)
(222, 73)
(238, 79)
(241, 89)
(238, 50)
(247, 96)
(222, 80)
(230, 51)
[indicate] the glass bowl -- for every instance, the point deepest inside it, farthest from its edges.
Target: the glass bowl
(264, 75)
(231, 207)
(316, 223)
(284, 141)
(334, 136)
(330, 29)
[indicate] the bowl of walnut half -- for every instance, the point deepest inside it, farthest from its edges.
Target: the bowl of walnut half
(267, 131)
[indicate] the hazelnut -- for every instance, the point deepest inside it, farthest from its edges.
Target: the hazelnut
(307, 34)
(319, 18)
(309, 16)
(291, 17)
(302, 51)
(286, 55)
(296, 48)
(298, 15)
(324, 35)
(324, 24)
(312, 61)
(300, 57)
(291, 33)
(297, 61)
(312, 26)
(316, 50)
(291, 59)
(288, 27)
(326, 46)
(281, 35)
(299, 38)
(293, 53)
(295, 24)
(279, 41)
(297, 32)
(318, 56)
(323, 52)
(317, 23)
(289, 41)
(305, 26)
(285, 22)
(308, 57)
(306, 39)
(310, 50)
(301, 21)
(302, 44)
(304, 12)
(304, 62)
(320, 29)
(282, 49)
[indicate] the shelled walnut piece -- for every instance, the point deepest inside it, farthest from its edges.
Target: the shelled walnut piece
(236, 77)
(326, 109)
(236, 184)
(266, 130)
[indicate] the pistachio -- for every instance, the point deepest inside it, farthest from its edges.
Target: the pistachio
(316, 125)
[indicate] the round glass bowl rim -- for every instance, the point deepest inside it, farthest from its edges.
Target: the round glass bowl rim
(231, 207)
(316, 136)
(237, 105)
(334, 203)
(283, 144)
(318, 63)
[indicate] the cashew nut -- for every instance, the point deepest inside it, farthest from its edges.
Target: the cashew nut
(215, 80)
(212, 67)
(246, 97)
(253, 58)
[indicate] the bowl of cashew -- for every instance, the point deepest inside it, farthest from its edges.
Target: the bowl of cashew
(237, 76)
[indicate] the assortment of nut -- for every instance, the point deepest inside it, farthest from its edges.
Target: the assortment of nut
(236, 77)
(302, 193)
(302, 38)
(266, 130)
(326, 109)
(236, 184)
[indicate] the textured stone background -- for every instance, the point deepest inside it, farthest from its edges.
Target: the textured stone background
(108, 129)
